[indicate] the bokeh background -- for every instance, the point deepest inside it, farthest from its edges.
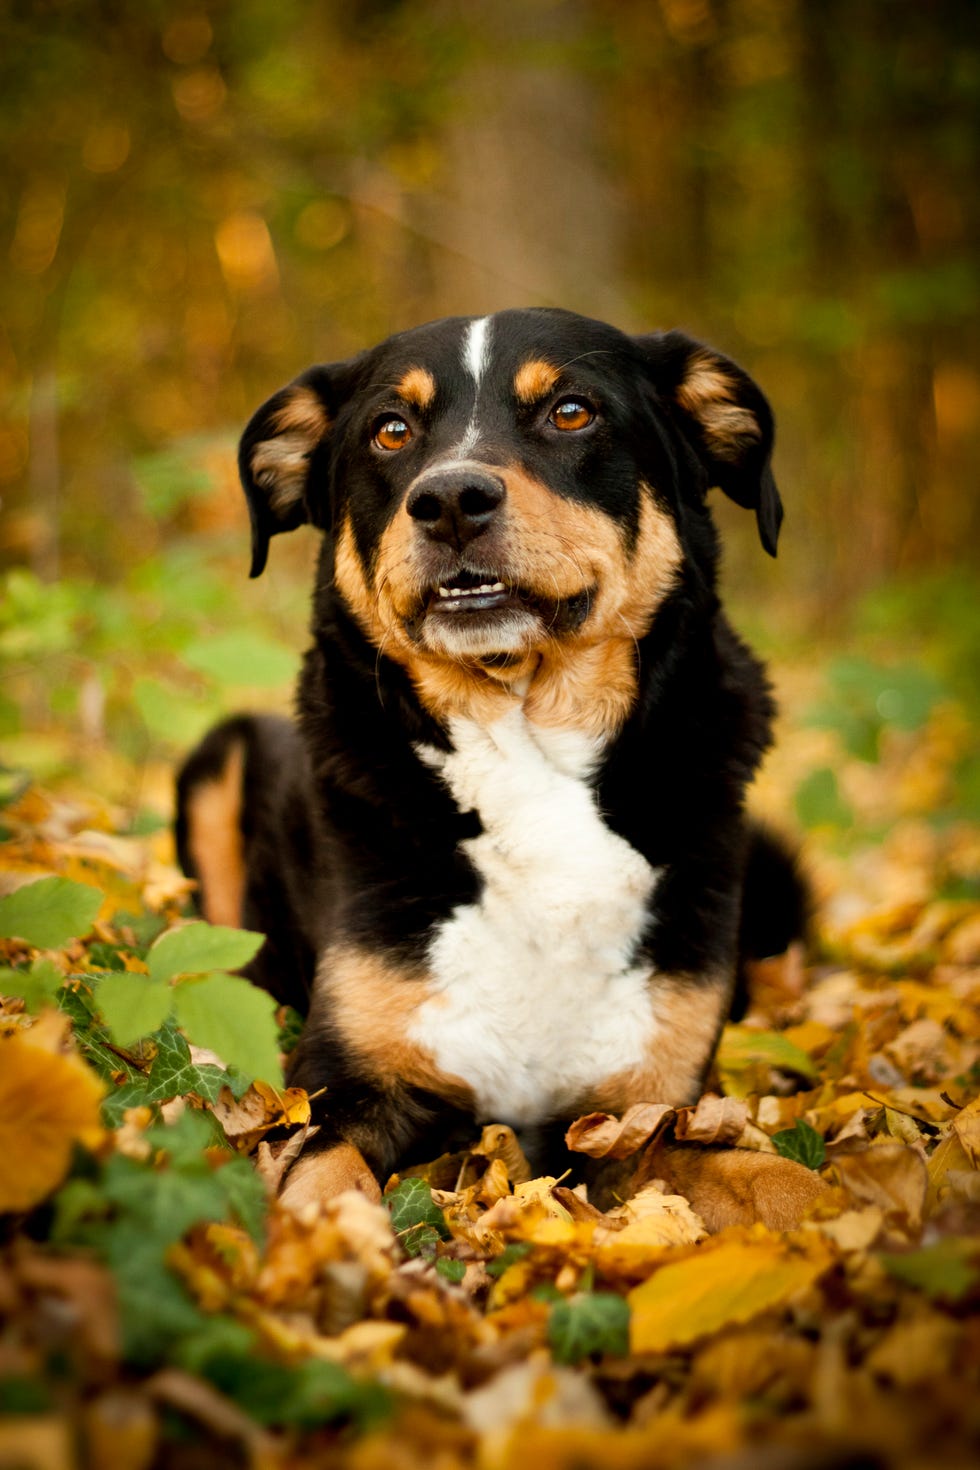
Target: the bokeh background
(201, 197)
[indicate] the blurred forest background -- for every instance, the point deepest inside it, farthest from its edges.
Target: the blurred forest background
(201, 197)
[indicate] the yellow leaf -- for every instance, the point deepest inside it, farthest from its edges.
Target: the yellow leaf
(715, 1288)
(48, 1100)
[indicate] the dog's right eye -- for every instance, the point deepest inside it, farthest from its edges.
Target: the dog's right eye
(392, 433)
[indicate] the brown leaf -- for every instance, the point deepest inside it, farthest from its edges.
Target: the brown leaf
(246, 1119)
(888, 1175)
(714, 1120)
(604, 1136)
(498, 1141)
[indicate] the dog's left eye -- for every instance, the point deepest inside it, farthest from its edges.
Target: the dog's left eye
(572, 413)
(392, 433)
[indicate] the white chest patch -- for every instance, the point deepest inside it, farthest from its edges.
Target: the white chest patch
(535, 996)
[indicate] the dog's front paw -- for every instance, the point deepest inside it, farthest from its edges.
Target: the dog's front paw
(321, 1176)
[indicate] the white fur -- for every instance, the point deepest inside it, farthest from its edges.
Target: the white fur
(476, 357)
(536, 996)
(476, 347)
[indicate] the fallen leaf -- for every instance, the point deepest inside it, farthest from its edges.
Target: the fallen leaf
(713, 1120)
(604, 1136)
(890, 1176)
(731, 1283)
(259, 1109)
(48, 1101)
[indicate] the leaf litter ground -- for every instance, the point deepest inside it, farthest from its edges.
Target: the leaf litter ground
(786, 1275)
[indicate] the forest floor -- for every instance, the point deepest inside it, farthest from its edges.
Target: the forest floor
(787, 1275)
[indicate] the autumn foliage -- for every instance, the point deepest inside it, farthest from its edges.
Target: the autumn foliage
(789, 1269)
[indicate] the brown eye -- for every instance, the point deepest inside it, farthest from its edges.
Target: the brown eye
(392, 433)
(572, 413)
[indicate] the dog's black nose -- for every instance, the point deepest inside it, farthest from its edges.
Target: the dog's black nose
(456, 505)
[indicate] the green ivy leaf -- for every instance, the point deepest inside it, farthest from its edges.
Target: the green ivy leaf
(245, 1195)
(173, 1073)
(801, 1143)
(50, 912)
(451, 1270)
(415, 1217)
(596, 1323)
(196, 949)
(235, 1019)
(948, 1270)
(133, 1006)
(37, 987)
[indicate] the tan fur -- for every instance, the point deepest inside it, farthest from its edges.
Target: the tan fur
(690, 1013)
(318, 1177)
(281, 464)
(372, 1004)
(417, 387)
(740, 1186)
(534, 380)
(214, 840)
(549, 545)
(708, 393)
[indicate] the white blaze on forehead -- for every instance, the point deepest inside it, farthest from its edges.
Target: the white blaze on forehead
(476, 348)
(476, 355)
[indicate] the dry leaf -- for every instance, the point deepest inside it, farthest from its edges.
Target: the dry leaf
(49, 1100)
(890, 1176)
(604, 1136)
(246, 1119)
(714, 1288)
(714, 1120)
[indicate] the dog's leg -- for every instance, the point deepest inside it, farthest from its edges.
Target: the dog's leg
(330, 1171)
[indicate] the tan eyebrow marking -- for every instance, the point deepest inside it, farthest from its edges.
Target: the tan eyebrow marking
(417, 387)
(534, 380)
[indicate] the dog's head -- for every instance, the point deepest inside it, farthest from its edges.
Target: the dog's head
(499, 487)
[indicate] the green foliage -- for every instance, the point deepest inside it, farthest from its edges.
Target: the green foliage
(194, 949)
(864, 699)
(510, 1254)
(450, 1269)
(235, 1019)
(303, 1395)
(218, 1011)
(416, 1218)
(948, 1270)
(819, 802)
(593, 1323)
(133, 1005)
(133, 1212)
(242, 658)
(50, 912)
(38, 986)
(801, 1143)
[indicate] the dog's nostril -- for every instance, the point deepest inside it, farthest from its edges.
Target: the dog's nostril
(426, 508)
(479, 500)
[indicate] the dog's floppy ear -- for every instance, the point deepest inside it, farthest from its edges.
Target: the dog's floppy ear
(276, 453)
(726, 418)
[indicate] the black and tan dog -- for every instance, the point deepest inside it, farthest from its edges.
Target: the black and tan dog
(502, 856)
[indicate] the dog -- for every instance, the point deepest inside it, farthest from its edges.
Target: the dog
(502, 856)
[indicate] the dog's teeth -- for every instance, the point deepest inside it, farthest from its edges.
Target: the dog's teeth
(497, 587)
(444, 592)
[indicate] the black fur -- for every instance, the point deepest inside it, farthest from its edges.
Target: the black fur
(349, 834)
